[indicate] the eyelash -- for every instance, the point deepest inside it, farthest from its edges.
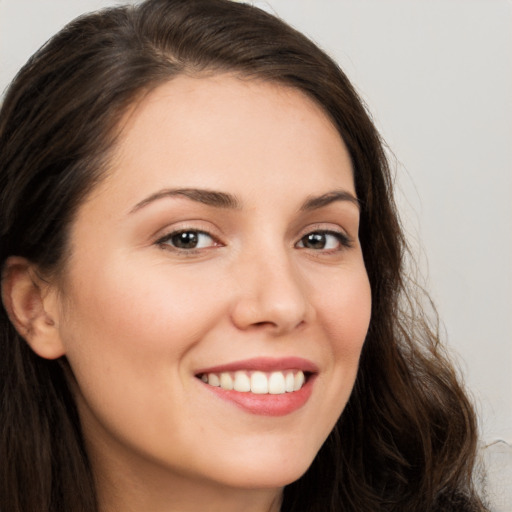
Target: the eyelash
(198, 233)
(342, 239)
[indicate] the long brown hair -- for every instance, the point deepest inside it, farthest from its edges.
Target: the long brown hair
(406, 440)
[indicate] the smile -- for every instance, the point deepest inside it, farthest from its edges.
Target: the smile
(257, 382)
(263, 386)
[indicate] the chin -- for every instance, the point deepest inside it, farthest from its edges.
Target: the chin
(274, 472)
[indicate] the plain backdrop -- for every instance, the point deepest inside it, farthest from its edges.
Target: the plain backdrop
(437, 77)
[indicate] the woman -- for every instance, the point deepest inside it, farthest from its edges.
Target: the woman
(204, 303)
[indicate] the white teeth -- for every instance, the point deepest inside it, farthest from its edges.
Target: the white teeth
(242, 382)
(298, 381)
(226, 382)
(213, 380)
(289, 382)
(276, 384)
(260, 383)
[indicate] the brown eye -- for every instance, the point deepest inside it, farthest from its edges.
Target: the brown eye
(314, 241)
(189, 239)
(323, 240)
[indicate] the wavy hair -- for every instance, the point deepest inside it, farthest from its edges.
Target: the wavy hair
(406, 440)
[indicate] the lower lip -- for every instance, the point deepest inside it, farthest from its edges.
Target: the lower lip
(267, 404)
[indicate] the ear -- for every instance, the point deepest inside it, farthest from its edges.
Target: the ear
(32, 306)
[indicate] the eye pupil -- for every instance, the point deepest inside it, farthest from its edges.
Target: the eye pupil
(314, 241)
(185, 240)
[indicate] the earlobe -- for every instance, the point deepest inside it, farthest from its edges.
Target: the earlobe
(31, 306)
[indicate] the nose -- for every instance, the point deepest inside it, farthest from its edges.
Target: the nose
(270, 295)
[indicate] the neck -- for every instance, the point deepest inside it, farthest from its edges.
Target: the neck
(126, 487)
(179, 495)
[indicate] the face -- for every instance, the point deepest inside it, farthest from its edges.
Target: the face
(221, 251)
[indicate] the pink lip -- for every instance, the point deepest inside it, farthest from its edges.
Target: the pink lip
(266, 405)
(264, 364)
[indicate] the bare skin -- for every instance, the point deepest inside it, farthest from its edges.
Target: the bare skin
(225, 235)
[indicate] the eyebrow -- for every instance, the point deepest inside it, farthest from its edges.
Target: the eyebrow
(316, 202)
(208, 197)
(231, 202)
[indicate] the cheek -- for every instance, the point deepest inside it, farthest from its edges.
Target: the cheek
(130, 334)
(344, 310)
(132, 318)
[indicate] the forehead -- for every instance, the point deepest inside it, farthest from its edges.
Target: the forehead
(223, 131)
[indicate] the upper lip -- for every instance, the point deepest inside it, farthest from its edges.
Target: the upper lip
(264, 364)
